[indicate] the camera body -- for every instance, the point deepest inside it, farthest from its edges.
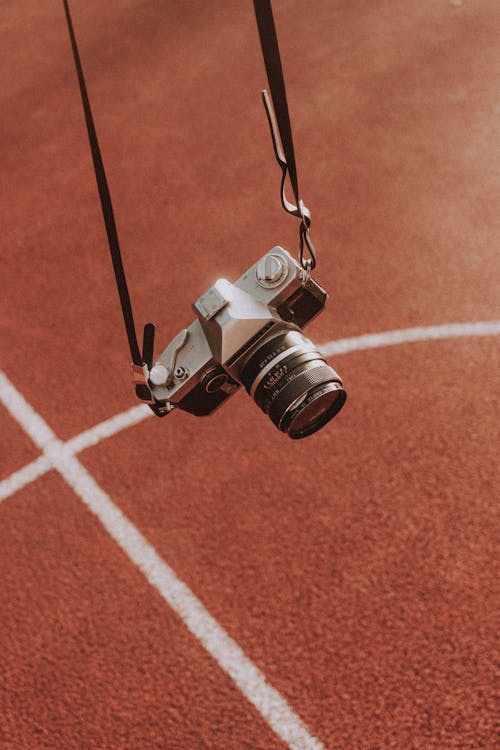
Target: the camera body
(247, 333)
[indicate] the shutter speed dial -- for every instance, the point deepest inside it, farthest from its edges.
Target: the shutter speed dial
(271, 271)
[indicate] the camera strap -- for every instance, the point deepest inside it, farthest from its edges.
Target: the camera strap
(141, 363)
(281, 130)
(106, 205)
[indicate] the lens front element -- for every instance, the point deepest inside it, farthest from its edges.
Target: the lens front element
(291, 382)
(315, 410)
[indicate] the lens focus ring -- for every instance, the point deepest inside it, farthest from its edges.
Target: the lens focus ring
(271, 351)
(279, 377)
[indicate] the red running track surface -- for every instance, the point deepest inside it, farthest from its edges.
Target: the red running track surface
(355, 569)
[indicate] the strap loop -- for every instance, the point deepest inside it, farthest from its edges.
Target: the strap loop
(279, 125)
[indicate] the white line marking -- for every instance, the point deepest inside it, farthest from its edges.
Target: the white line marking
(61, 456)
(226, 652)
(137, 414)
(410, 335)
(86, 439)
(32, 423)
(109, 427)
(24, 476)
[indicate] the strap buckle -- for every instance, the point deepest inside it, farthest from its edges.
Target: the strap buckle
(300, 210)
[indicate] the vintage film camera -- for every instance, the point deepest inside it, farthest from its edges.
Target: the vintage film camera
(249, 333)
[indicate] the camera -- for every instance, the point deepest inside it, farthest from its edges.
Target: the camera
(250, 334)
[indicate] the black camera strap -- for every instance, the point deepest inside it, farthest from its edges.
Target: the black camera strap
(279, 123)
(106, 205)
(141, 364)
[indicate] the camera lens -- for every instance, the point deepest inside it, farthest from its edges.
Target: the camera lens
(291, 382)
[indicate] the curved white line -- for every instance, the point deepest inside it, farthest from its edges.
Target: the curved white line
(138, 413)
(410, 335)
(24, 476)
(109, 427)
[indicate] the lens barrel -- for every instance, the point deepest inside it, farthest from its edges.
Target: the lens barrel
(291, 382)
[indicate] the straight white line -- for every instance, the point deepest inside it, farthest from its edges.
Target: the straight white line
(32, 423)
(226, 652)
(410, 335)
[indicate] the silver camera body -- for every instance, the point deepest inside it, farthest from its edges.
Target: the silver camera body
(249, 333)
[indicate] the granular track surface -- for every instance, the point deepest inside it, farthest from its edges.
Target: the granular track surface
(187, 583)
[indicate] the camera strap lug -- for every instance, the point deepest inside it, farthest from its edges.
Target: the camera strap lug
(169, 356)
(143, 391)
